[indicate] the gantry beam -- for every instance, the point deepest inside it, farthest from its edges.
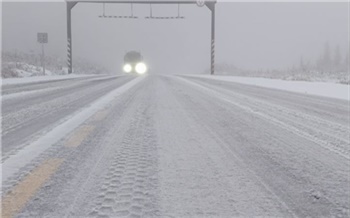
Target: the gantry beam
(141, 1)
(71, 3)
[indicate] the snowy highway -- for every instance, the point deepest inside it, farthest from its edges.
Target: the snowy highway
(171, 146)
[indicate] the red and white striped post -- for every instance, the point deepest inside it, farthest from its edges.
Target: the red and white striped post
(211, 6)
(70, 5)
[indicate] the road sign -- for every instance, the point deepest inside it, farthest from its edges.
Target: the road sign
(200, 3)
(42, 38)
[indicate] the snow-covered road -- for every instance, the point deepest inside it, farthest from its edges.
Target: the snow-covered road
(172, 146)
(28, 109)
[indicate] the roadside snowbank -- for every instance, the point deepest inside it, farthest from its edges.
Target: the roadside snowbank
(331, 90)
(13, 81)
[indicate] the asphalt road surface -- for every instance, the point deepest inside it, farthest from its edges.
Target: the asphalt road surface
(171, 146)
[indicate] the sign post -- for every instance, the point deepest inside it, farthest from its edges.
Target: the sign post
(43, 39)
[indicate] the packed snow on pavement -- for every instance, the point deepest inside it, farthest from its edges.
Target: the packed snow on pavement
(178, 146)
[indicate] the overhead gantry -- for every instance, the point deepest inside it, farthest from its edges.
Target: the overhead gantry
(208, 3)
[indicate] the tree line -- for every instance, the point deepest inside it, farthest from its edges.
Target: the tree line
(330, 60)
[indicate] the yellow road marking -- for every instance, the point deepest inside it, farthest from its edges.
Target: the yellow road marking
(14, 201)
(101, 115)
(78, 137)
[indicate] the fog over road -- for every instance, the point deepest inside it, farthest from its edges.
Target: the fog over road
(171, 146)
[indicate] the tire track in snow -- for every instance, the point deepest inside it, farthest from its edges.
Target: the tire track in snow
(36, 120)
(27, 115)
(138, 167)
(59, 197)
(14, 163)
(333, 134)
(131, 182)
(238, 191)
(341, 151)
(305, 180)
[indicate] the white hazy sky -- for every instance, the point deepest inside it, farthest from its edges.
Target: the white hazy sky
(248, 35)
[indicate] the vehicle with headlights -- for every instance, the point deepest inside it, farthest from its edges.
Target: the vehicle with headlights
(133, 63)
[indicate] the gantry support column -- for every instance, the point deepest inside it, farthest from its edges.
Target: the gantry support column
(70, 5)
(211, 6)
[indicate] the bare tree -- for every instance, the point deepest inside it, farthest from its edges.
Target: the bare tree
(325, 62)
(346, 61)
(337, 58)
